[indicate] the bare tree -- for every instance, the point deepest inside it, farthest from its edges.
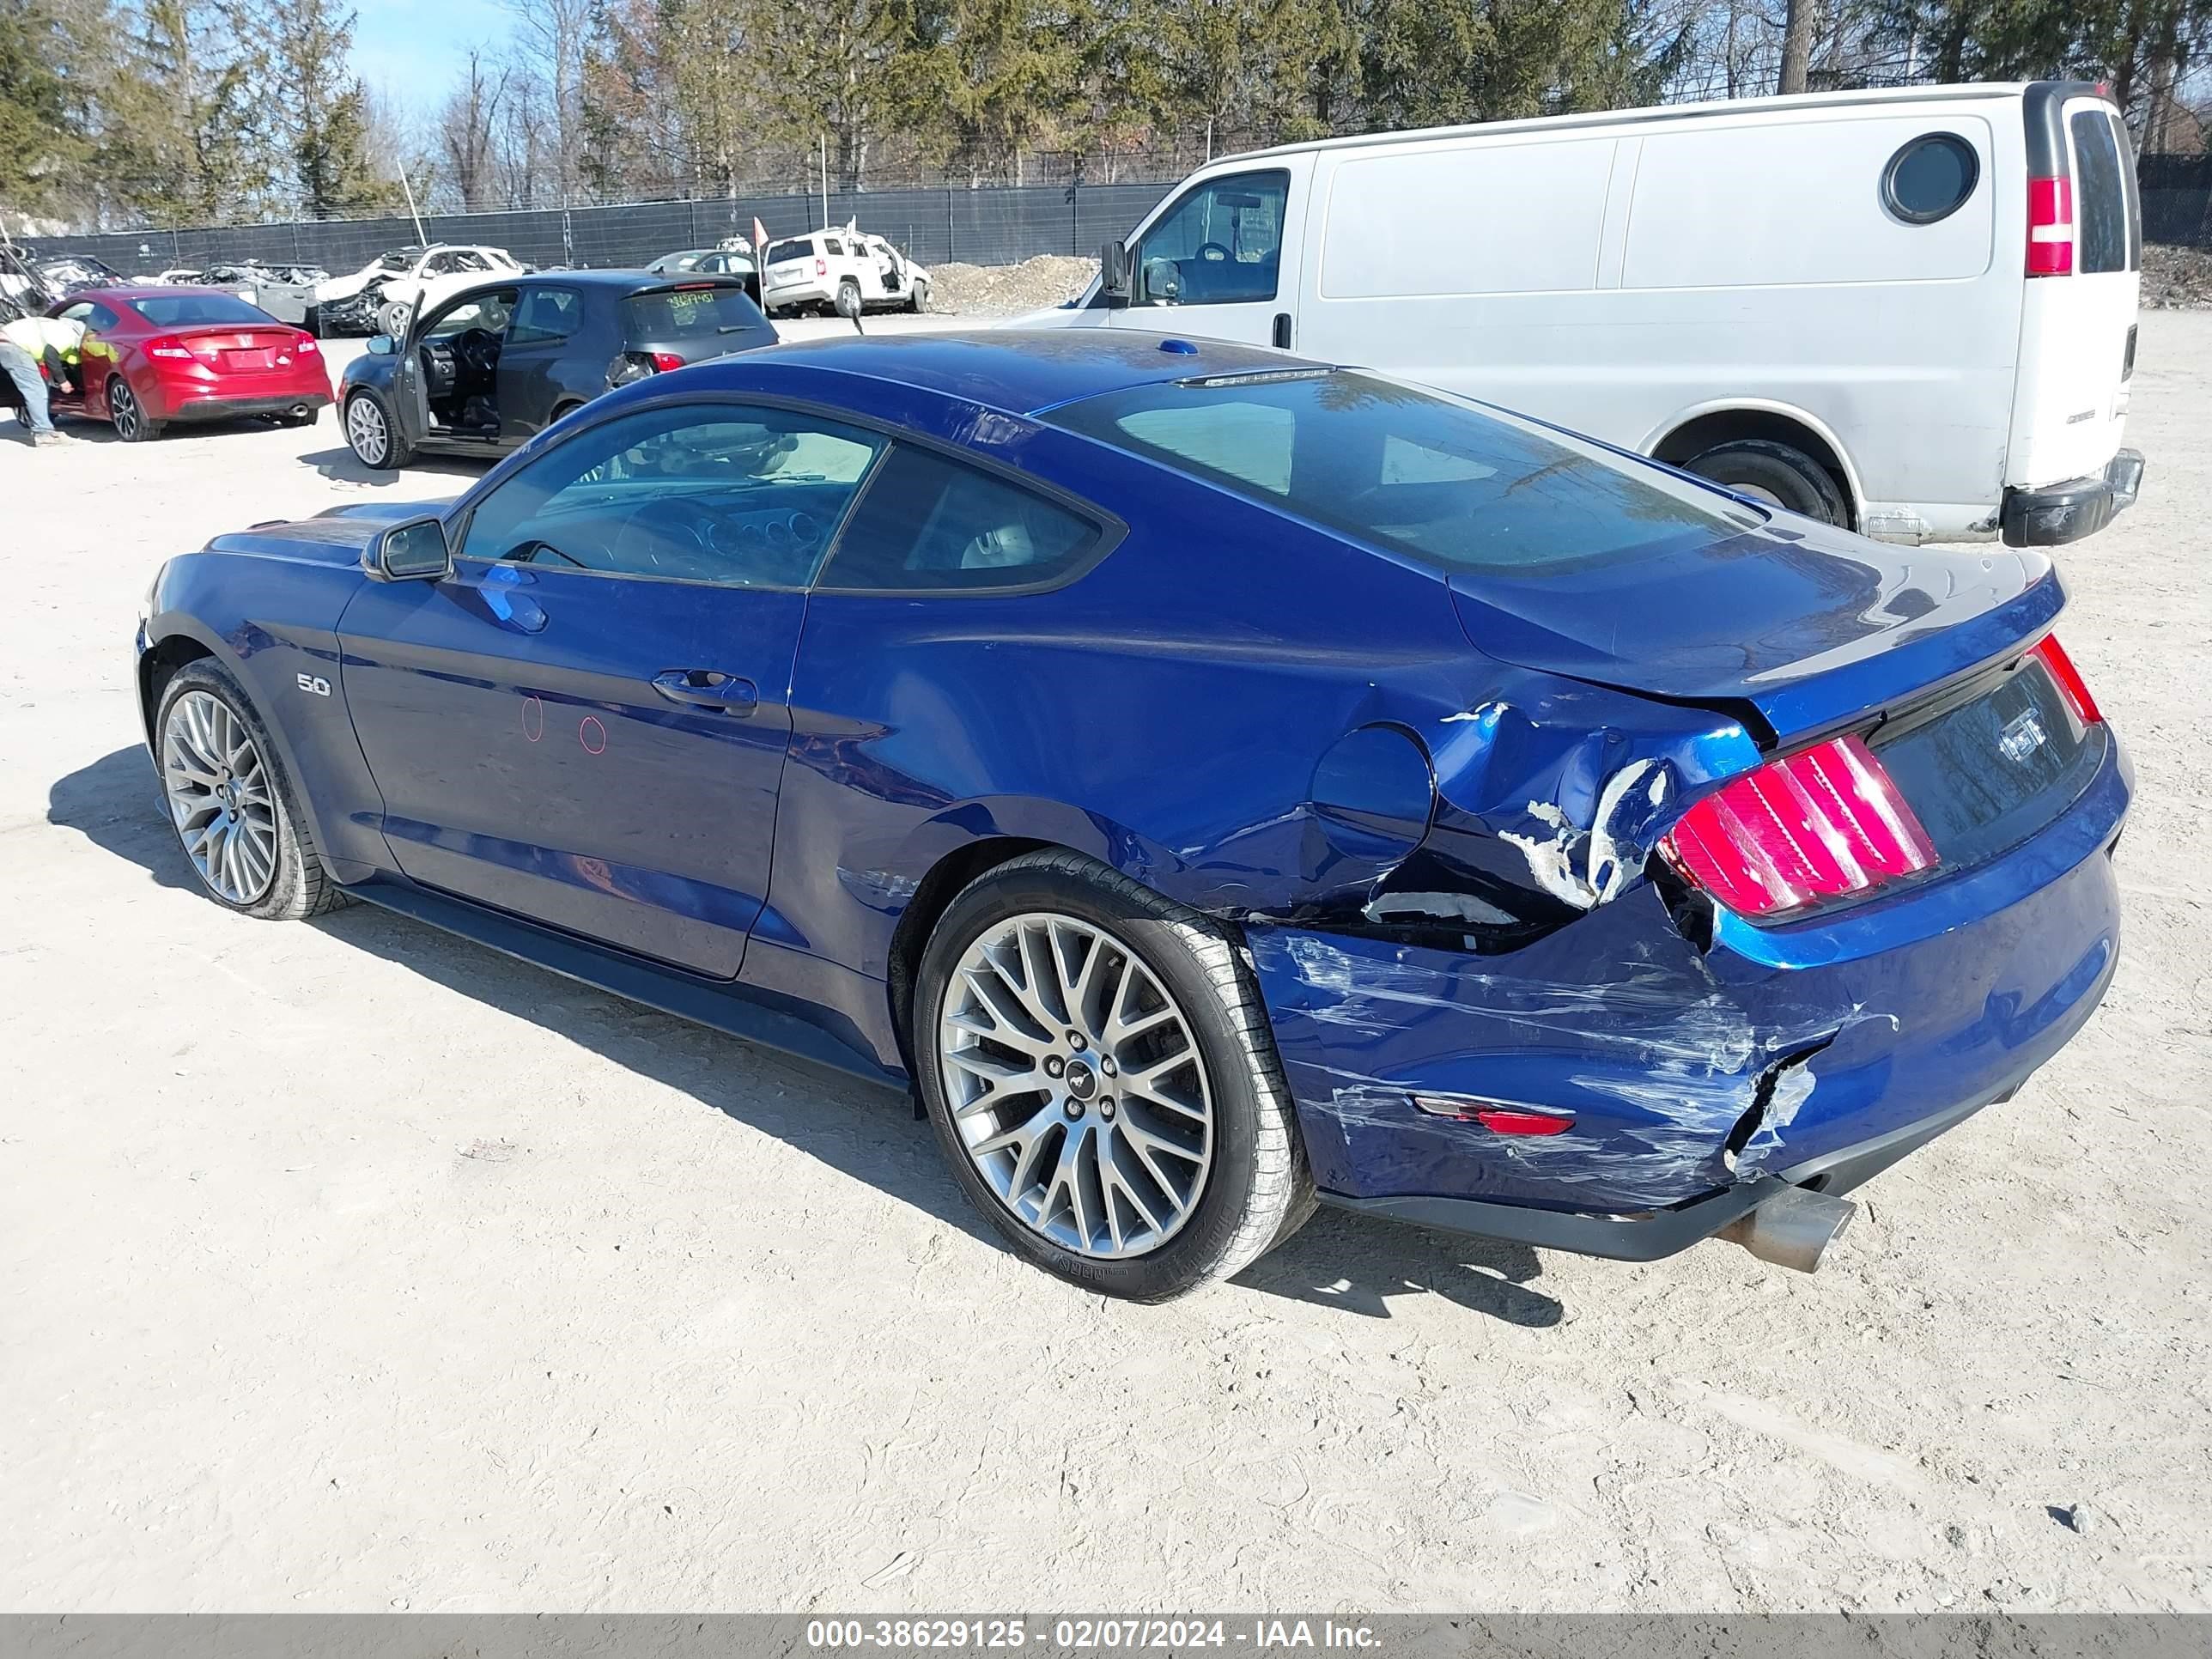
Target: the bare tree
(469, 132)
(1797, 44)
(550, 36)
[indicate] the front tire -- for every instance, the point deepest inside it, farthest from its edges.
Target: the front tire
(372, 436)
(917, 298)
(1776, 473)
(1103, 1078)
(231, 804)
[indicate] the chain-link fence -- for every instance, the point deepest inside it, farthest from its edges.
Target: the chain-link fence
(987, 227)
(2177, 199)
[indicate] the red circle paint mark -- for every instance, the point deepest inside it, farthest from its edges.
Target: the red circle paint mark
(593, 735)
(534, 718)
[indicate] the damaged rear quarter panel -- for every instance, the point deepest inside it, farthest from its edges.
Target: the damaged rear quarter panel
(1903, 1009)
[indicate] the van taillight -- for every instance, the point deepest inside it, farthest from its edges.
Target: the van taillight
(2071, 686)
(1823, 823)
(2050, 227)
(820, 267)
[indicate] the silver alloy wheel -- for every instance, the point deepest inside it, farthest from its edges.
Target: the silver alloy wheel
(1077, 1086)
(219, 797)
(366, 432)
(123, 410)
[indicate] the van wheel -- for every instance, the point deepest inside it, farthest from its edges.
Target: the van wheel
(1776, 474)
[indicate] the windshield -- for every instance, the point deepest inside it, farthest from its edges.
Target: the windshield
(1418, 471)
(174, 310)
(398, 260)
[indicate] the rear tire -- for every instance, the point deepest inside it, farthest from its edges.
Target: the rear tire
(210, 741)
(127, 415)
(371, 434)
(1775, 473)
(1172, 1221)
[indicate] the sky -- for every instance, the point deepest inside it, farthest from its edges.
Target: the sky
(409, 49)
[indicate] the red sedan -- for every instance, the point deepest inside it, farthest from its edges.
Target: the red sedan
(152, 356)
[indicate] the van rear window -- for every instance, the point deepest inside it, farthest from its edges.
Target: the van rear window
(2101, 196)
(684, 312)
(1408, 469)
(799, 247)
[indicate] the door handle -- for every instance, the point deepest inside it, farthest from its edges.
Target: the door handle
(1283, 329)
(707, 688)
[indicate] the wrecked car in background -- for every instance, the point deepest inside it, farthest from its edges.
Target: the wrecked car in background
(1210, 781)
(377, 298)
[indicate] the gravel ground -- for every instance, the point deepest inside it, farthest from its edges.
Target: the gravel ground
(2175, 278)
(345, 1266)
(1007, 290)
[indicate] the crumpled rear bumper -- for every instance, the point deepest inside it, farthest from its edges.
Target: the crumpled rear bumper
(2059, 514)
(1699, 1082)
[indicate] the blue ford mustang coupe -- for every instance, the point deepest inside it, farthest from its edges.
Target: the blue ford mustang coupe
(1211, 781)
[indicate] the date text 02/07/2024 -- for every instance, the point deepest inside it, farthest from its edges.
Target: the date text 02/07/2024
(1087, 1635)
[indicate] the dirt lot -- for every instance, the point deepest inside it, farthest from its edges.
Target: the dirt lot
(346, 1266)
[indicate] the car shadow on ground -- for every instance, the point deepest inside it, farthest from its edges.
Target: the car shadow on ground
(1335, 1261)
(341, 465)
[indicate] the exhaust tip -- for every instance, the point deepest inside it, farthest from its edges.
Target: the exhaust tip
(1793, 1228)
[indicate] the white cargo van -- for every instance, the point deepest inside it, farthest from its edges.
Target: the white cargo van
(1911, 312)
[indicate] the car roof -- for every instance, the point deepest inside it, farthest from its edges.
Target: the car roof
(127, 291)
(1017, 371)
(627, 281)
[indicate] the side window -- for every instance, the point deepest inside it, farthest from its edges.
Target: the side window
(723, 492)
(833, 246)
(489, 311)
(546, 314)
(101, 317)
(1221, 245)
(928, 524)
(80, 313)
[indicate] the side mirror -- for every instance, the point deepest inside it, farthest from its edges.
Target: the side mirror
(382, 345)
(413, 552)
(1114, 273)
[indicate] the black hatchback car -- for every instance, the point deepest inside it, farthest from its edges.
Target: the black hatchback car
(481, 372)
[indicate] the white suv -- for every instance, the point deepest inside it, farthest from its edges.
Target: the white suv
(803, 271)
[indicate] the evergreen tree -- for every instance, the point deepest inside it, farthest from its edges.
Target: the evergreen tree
(322, 112)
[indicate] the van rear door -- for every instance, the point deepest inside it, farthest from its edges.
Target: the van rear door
(2084, 278)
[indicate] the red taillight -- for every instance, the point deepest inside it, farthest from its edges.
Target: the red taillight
(2071, 686)
(1498, 1119)
(1822, 824)
(2050, 227)
(166, 347)
(665, 361)
(305, 346)
(820, 267)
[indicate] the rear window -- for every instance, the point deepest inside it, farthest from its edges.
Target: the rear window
(176, 310)
(687, 313)
(799, 248)
(1417, 472)
(2101, 193)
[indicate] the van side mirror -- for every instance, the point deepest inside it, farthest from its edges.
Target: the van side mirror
(1114, 273)
(409, 552)
(381, 346)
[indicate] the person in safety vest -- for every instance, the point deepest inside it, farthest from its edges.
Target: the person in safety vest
(32, 351)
